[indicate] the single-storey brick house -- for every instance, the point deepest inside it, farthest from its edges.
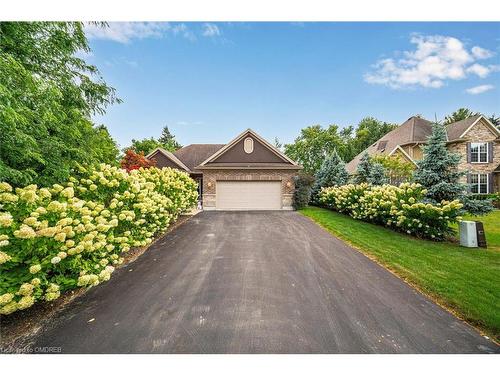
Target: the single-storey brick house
(476, 139)
(247, 173)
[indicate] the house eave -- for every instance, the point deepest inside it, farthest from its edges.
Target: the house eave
(248, 167)
(169, 156)
(238, 138)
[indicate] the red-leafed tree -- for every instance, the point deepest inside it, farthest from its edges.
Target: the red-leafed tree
(133, 160)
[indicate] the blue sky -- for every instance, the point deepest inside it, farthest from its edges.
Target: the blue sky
(210, 81)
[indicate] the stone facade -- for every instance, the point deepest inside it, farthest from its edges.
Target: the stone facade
(210, 178)
(479, 133)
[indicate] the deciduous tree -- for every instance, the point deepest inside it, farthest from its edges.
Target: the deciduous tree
(47, 97)
(132, 160)
(313, 145)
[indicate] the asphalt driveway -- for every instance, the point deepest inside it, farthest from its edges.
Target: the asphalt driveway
(256, 282)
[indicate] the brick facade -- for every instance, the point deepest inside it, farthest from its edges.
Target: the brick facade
(210, 178)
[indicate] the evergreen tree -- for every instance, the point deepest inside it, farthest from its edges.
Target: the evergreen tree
(363, 170)
(458, 115)
(438, 170)
(377, 175)
(167, 139)
(438, 173)
(331, 173)
(495, 120)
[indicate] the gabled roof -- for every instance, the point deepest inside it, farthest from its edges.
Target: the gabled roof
(459, 129)
(270, 147)
(456, 129)
(402, 152)
(193, 155)
(169, 155)
(413, 130)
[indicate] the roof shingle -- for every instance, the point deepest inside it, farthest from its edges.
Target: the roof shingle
(413, 130)
(194, 154)
(456, 129)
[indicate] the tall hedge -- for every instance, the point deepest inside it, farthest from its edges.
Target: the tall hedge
(56, 239)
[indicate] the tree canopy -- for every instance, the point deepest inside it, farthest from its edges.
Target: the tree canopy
(147, 145)
(368, 131)
(458, 115)
(315, 143)
(167, 139)
(47, 96)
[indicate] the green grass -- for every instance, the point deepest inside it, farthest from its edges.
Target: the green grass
(466, 281)
(491, 227)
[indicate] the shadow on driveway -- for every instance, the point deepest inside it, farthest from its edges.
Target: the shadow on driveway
(256, 282)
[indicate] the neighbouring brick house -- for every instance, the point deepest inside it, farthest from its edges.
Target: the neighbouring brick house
(476, 139)
(247, 173)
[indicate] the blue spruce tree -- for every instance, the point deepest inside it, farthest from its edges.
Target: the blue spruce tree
(363, 170)
(377, 175)
(331, 173)
(438, 172)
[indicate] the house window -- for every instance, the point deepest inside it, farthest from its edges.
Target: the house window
(479, 183)
(479, 152)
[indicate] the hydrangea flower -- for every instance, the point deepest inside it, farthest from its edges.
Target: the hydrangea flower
(35, 268)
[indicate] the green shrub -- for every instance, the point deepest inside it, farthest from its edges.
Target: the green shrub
(493, 197)
(401, 208)
(302, 192)
(59, 238)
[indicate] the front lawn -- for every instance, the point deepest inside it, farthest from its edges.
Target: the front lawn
(464, 280)
(491, 227)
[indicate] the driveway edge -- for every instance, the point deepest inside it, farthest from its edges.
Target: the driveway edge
(431, 297)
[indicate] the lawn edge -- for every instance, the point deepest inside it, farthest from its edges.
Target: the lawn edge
(433, 297)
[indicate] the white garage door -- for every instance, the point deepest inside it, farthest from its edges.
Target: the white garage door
(248, 195)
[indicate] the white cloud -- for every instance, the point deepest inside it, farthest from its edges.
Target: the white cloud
(435, 60)
(124, 32)
(479, 89)
(478, 69)
(182, 29)
(211, 30)
(481, 53)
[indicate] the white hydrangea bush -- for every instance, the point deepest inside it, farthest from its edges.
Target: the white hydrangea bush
(63, 237)
(399, 207)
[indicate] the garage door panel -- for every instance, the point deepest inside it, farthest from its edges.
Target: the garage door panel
(248, 195)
